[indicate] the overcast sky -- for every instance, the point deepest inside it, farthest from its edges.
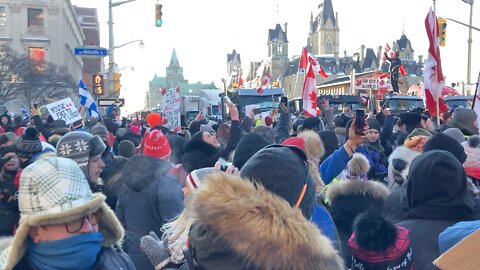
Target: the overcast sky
(203, 32)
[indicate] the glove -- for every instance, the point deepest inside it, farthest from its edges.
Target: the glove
(155, 249)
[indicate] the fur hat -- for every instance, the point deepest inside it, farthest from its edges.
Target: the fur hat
(100, 130)
(156, 145)
(54, 191)
(126, 149)
(441, 141)
(247, 147)
(376, 243)
(235, 221)
(28, 144)
(155, 120)
(196, 177)
(284, 171)
(357, 168)
(472, 151)
(315, 150)
(80, 146)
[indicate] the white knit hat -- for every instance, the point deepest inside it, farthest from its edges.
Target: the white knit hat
(53, 191)
(195, 178)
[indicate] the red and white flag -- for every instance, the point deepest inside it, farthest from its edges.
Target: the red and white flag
(382, 84)
(388, 50)
(306, 59)
(264, 82)
(309, 93)
(432, 71)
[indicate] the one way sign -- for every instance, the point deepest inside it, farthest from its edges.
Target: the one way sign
(105, 102)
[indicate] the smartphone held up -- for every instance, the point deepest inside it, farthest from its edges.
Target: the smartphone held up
(359, 121)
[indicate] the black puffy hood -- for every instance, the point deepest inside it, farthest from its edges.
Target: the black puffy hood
(437, 188)
(141, 171)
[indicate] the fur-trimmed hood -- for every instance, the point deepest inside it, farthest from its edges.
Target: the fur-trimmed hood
(256, 228)
(141, 171)
(356, 188)
(315, 150)
(399, 164)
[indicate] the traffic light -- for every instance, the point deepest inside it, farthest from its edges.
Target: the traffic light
(442, 30)
(158, 15)
(276, 84)
(98, 84)
(116, 81)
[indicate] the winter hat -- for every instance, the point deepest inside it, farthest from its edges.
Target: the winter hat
(295, 141)
(121, 132)
(135, 130)
(60, 127)
(416, 143)
(456, 134)
(437, 187)
(441, 141)
(100, 130)
(411, 119)
(28, 144)
(419, 132)
(206, 128)
(155, 120)
(472, 151)
(156, 145)
(267, 133)
(247, 147)
(330, 141)
(357, 168)
(80, 146)
(376, 243)
(195, 178)
(466, 116)
(399, 165)
(283, 170)
(126, 149)
(311, 123)
(341, 121)
(91, 122)
(54, 191)
(374, 124)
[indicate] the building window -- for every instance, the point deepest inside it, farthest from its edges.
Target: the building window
(37, 59)
(279, 48)
(35, 17)
(3, 16)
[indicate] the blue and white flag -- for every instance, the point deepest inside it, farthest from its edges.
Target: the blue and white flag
(87, 101)
(25, 112)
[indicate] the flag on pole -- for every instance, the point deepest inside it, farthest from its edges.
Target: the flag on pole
(25, 112)
(309, 93)
(388, 50)
(382, 85)
(476, 99)
(432, 71)
(265, 81)
(306, 59)
(87, 101)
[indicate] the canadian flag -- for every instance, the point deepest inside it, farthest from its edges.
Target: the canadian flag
(264, 82)
(476, 99)
(309, 93)
(382, 84)
(432, 72)
(306, 59)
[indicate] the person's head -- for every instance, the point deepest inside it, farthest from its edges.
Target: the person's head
(373, 132)
(5, 119)
(156, 145)
(12, 163)
(126, 149)
(411, 120)
(194, 180)
(27, 146)
(284, 171)
(9, 138)
(440, 141)
(58, 210)
(86, 149)
(467, 117)
(101, 131)
(155, 120)
(247, 147)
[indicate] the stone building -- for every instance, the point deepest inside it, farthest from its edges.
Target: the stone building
(324, 36)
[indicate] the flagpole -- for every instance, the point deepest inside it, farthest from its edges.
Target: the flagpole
(436, 31)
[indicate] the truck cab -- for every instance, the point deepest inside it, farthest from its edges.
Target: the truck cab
(339, 102)
(263, 102)
(401, 104)
(459, 101)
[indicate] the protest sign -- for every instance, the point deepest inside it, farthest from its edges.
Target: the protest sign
(171, 108)
(64, 109)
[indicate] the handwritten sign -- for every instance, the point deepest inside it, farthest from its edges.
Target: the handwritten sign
(64, 109)
(171, 108)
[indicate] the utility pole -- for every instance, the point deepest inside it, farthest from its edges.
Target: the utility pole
(470, 44)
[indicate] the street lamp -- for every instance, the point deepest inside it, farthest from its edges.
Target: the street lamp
(141, 45)
(132, 68)
(470, 2)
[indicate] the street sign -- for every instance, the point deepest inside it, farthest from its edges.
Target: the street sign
(105, 102)
(91, 52)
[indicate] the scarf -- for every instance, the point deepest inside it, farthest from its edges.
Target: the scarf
(77, 252)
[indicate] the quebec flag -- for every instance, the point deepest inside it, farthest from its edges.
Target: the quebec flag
(86, 100)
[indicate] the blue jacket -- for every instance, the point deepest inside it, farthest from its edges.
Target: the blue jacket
(334, 165)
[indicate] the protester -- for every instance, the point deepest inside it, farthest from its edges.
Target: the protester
(8, 201)
(126, 149)
(27, 146)
(112, 182)
(150, 197)
(437, 197)
(65, 226)
(465, 120)
(86, 150)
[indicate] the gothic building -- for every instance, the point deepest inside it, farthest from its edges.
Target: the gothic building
(324, 36)
(278, 51)
(174, 72)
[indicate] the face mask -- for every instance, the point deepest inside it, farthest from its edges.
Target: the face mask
(76, 252)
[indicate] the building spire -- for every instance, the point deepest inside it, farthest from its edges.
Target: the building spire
(174, 60)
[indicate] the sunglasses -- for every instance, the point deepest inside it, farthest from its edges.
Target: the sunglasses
(300, 154)
(76, 225)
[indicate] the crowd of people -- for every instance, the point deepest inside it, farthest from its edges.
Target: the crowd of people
(282, 192)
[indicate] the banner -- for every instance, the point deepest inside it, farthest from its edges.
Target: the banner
(171, 108)
(64, 109)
